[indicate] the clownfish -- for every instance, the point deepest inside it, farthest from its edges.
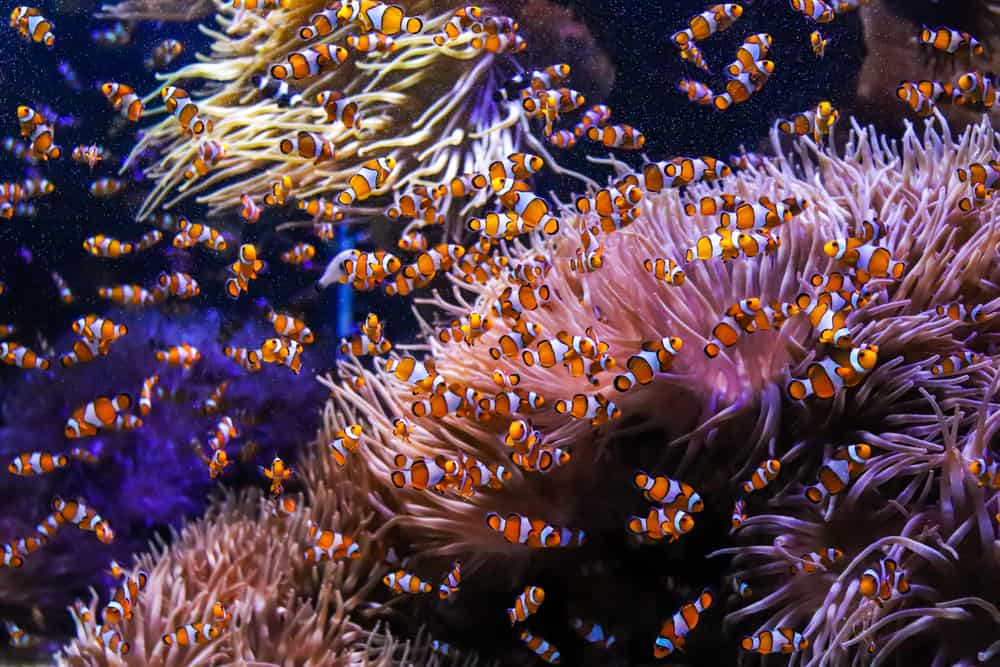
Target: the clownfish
(879, 584)
(951, 41)
(36, 463)
(15, 354)
(668, 492)
(83, 517)
(182, 355)
(671, 522)
(192, 633)
(177, 284)
(814, 560)
(103, 413)
(402, 581)
(120, 606)
(283, 351)
(818, 43)
(702, 26)
(278, 473)
(372, 175)
(248, 359)
(535, 533)
(526, 604)
(450, 584)
(836, 473)
(654, 357)
(344, 442)
(765, 473)
(330, 545)
(827, 377)
(781, 640)
(542, 648)
(673, 633)
(178, 102)
(815, 10)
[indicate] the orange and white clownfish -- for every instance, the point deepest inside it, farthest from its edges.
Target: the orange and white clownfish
(407, 369)
(818, 43)
(956, 362)
(378, 16)
(105, 246)
(278, 473)
(594, 407)
(183, 355)
(879, 584)
(194, 233)
(83, 517)
(420, 473)
(654, 357)
(780, 640)
(330, 545)
(288, 326)
(146, 394)
(452, 580)
(124, 99)
(765, 473)
(125, 598)
(225, 430)
(814, 560)
(671, 522)
(248, 359)
(372, 175)
(110, 639)
(126, 295)
(309, 145)
(283, 351)
(668, 492)
(951, 41)
(739, 514)
(191, 633)
(666, 270)
(103, 413)
(815, 10)
(15, 354)
(526, 604)
(402, 581)
(868, 261)
(535, 533)
(36, 463)
(178, 102)
(345, 442)
(986, 472)
(827, 377)
(673, 634)
(702, 26)
(541, 647)
(176, 284)
(97, 328)
(65, 293)
(836, 473)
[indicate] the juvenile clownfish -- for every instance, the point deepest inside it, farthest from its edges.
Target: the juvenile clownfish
(278, 473)
(671, 522)
(283, 351)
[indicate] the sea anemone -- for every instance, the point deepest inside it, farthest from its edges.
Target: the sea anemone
(249, 558)
(923, 405)
(429, 107)
(143, 481)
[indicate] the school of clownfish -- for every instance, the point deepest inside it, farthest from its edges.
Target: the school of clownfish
(746, 229)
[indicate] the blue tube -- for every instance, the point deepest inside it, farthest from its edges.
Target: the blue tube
(345, 293)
